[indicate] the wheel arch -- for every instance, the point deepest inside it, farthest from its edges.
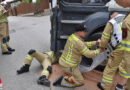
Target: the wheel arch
(96, 22)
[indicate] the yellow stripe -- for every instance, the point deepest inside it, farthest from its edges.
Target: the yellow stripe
(85, 50)
(29, 57)
(125, 45)
(119, 47)
(3, 45)
(126, 49)
(3, 20)
(70, 62)
(105, 35)
(125, 42)
(123, 73)
(106, 79)
(70, 51)
(96, 52)
(73, 37)
(120, 26)
(89, 44)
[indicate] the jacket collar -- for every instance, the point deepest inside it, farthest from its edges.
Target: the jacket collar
(78, 37)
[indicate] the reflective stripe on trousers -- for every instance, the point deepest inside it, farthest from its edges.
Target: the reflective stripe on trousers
(29, 57)
(106, 79)
(123, 73)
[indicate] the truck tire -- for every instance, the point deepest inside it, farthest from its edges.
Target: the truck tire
(95, 37)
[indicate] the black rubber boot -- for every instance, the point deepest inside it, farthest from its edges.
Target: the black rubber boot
(119, 87)
(100, 86)
(23, 69)
(43, 81)
(58, 81)
(11, 49)
(7, 53)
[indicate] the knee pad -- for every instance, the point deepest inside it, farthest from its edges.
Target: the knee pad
(31, 51)
(49, 69)
(4, 40)
(8, 38)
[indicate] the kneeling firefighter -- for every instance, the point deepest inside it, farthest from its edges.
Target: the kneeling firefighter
(46, 59)
(71, 57)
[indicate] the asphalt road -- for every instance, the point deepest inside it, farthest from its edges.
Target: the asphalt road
(26, 33)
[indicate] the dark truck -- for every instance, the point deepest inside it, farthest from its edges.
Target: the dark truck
(66, 14)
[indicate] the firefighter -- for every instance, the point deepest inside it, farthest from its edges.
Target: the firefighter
(113, 34)
(74, 49)
(45, 59)
(4, 32)
(125, 70)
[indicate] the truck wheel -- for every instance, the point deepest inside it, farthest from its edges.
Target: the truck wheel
(93, 37)
(88, 62)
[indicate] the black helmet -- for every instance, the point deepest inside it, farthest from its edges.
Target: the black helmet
(80, 27)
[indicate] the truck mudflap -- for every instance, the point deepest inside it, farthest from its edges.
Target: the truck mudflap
(98, 60)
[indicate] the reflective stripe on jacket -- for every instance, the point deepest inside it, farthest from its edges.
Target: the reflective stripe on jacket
(3, 14)
(74, 49)
(126, 41)
(3, 20)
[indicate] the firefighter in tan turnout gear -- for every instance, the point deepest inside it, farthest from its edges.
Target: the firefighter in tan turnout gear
(74, 49)
(113, 34)
(125, 72)
(46, 59)
(4, 32)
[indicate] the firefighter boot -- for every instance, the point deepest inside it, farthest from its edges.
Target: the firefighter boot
(8, 46)
(119, 87)
(58, 81)
(100, 86)
(43, 81)
(5, 50)
(11, 49)
(4, 47)
(23, 69)
(6, 53)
